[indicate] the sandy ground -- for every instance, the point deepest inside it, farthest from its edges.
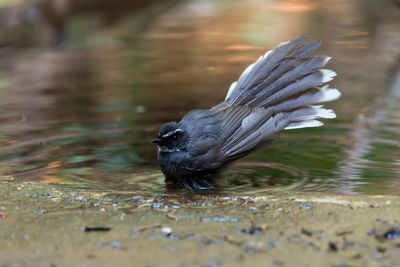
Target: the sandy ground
(42, 225)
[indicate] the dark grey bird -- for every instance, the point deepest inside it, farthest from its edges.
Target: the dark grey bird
(275, 93)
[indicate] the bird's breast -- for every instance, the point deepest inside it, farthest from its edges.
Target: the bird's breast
(174, 164)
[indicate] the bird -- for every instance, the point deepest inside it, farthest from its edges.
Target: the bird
(282, 90)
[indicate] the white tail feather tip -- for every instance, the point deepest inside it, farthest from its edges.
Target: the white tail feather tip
(324, 113)
(327, 75)
(327, 59)
(231, 89)
(329, 94)
(247, 70)
(304, 124)
(267, 53)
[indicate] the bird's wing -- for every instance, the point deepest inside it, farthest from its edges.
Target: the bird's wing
(204, 147)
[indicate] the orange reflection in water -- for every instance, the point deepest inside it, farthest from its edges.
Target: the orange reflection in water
(293, 6)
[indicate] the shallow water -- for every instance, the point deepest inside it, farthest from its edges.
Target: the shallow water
(83, 115)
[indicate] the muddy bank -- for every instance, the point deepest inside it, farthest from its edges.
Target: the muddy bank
(44, 225)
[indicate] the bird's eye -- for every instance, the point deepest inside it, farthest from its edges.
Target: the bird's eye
(174, 136)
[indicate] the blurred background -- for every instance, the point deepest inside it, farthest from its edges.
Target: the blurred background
(85, 86)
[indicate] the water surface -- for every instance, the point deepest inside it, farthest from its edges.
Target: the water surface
(82, 114)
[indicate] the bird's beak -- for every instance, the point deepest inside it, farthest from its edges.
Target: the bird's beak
(156, 141)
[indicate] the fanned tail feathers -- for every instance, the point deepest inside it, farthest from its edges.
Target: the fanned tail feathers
(276, 92)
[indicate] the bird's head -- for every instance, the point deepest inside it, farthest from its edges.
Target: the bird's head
(172, 137)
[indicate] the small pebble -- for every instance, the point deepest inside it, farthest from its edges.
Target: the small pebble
(332, 246)
(166, 231)
(381, 249)
(211, 263)
(115, 244)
